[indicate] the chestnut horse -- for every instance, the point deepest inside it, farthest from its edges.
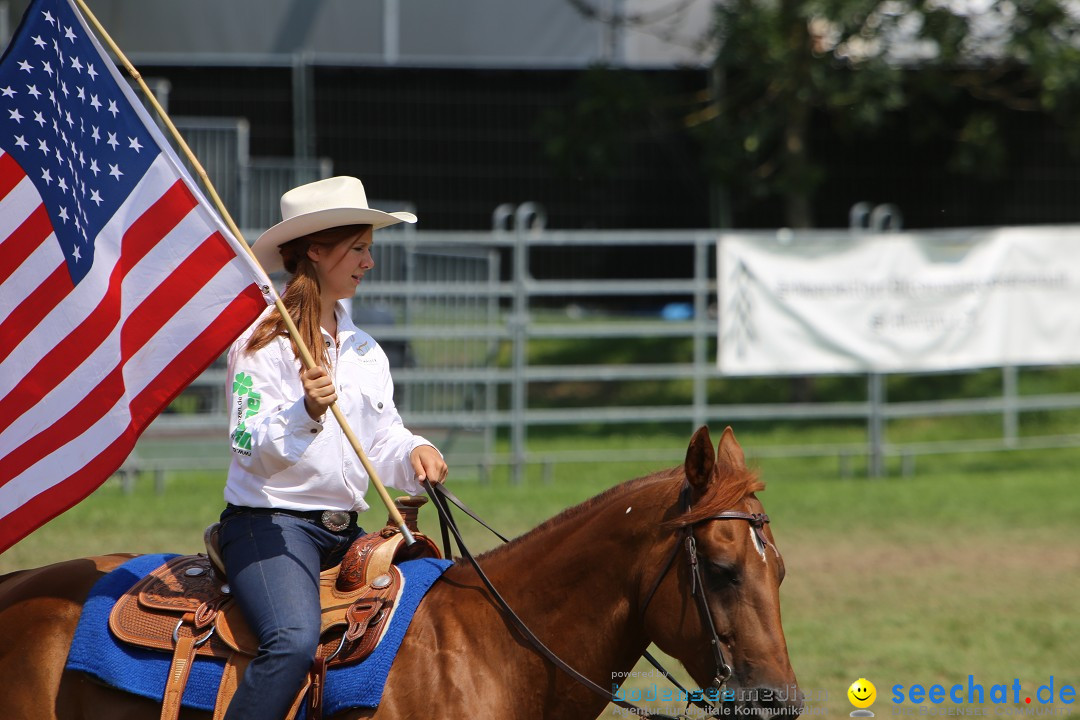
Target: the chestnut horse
(596, 584)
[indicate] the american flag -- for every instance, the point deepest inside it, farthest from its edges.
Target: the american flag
(118, 285)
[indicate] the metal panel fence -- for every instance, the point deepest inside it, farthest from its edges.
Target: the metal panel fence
(249, 186)
(462, 325)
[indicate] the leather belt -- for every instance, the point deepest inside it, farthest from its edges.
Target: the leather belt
(332, 520)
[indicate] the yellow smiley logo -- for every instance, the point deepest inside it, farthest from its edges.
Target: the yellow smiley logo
(862, 693)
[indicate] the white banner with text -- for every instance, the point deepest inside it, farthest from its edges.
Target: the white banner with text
(840, 302)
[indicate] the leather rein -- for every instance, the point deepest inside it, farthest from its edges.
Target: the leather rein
(441, 497)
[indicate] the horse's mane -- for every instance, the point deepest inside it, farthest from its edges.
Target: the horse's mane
(574, 511)
(724, 493)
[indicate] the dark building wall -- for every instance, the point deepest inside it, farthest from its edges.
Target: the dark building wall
(459, 142)
(1031, 177)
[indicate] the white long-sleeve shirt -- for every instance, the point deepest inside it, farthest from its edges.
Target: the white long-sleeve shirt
(281, 458)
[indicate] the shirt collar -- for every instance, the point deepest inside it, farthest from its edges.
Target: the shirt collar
(346, 329)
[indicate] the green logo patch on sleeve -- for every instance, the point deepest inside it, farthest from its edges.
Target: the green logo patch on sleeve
(242, 383)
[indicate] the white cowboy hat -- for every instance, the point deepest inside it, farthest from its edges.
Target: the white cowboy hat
(321, 205)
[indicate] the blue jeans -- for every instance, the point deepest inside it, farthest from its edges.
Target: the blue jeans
(273, 562)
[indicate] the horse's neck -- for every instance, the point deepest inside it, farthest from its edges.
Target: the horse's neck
(575, 583)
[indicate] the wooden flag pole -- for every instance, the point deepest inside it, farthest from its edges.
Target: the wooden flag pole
(305, 354)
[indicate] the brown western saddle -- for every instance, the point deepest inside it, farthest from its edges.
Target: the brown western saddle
(184, 607)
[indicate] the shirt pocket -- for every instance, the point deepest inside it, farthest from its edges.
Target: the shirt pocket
(372, 399)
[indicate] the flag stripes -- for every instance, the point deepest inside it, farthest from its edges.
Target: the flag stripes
(42, 493)
(21, 243)
(118, 286)
(160, 292)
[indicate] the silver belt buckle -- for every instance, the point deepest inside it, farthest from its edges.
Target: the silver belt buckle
(335, 520)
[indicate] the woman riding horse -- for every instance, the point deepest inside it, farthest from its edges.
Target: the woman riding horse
(597, 584)
(294, 487)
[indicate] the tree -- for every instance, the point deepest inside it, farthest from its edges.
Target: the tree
(779, 64)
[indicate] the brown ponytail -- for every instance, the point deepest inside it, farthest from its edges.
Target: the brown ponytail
(302, 296)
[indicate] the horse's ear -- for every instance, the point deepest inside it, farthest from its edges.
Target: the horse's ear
(700, 461)
(730, 453)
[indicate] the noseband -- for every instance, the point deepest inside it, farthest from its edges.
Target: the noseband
(697, 588)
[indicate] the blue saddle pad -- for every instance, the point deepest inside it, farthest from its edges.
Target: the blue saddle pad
(143, 672)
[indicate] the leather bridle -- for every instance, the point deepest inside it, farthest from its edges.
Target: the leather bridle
(441, 497)
(697, 588)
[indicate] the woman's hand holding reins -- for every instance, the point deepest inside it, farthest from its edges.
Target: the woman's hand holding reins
(319, 393)
(428, 464)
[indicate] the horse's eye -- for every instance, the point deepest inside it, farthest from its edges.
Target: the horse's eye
(721, 575)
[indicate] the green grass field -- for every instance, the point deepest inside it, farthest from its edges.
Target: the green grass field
(972, 567)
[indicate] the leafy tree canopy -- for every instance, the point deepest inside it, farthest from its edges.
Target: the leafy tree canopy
(777, 64)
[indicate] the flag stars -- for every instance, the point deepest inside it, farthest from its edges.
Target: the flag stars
(74, 188)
